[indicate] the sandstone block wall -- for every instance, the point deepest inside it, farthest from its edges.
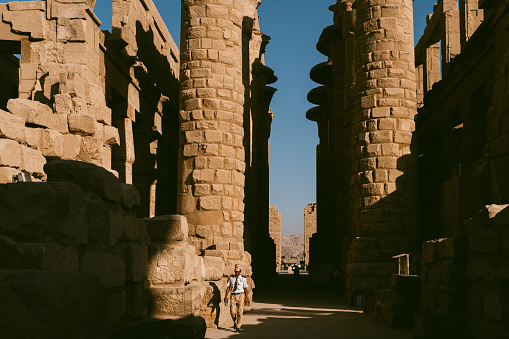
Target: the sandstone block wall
(61, 110)
(309, 228)
(82, 219)
(460, 130)
(275, 232)
(463, 280)
(141, 65)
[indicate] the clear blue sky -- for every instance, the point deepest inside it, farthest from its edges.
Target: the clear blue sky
(294, 26)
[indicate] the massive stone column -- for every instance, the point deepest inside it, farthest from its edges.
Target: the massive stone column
(383, 181)
(211, 156)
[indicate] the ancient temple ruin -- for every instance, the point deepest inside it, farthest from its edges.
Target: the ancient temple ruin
(148, 165)
(134, 174)
(412, 155)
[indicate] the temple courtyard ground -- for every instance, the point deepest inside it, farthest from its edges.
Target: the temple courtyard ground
(282, 310)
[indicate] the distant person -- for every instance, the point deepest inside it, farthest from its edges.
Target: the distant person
(237, 285)
(296, 273)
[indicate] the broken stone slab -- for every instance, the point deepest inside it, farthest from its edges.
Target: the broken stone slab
(89, 177)
(167, 228)
(72, 146)
(32, 161)
(52, 145)
(42, 212)
(30, 21)
(109, 267)
(10, 153)
(90, 150)
(34, 137)
(28, 109)
(73, 83)
(43, 304)
(101, 113)
(214, 268)
(12, 127)
(74, 10)
(38, 114)
(63, 104)
(111, 136)
(167, 264)
(26, 5)
(7, 174)
(82, 124)
(176, 302)
(72, 30)
(130, 196)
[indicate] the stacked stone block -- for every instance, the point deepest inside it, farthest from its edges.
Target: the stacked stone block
(144, 76)
(464, 279)
(212, 164)
(82, 219)
(309, 228)
(443, 307)
(384, 164)
(275, 232)
(175, 271)
(61, 111)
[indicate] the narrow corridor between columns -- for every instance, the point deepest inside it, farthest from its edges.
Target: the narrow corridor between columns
(282, 310)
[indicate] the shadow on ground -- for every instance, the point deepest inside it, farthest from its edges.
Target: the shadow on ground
(282, 310)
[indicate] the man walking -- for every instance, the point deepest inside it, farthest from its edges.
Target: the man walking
(237, 286)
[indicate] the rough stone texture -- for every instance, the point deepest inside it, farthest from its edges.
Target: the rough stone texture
(167, 229)
(176, 302)
(10, 153)
(61, 74)
(214, 267)
(56, 212)
(89, 177)
(57, 226)
(43, 304)
(12, 127)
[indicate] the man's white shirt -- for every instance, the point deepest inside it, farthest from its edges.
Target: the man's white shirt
(241, 284)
